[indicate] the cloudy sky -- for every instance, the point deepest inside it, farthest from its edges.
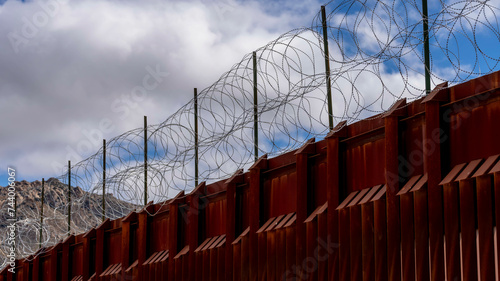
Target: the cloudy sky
(69, 68)
(73, 72)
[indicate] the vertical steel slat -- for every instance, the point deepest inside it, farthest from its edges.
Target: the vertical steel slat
(324, 251)
(206, 265)
(468, 229)
(367, 230)
(290, 251)
(485, 209)
(36, 269)
(236, 270)
(213, 264)
(193, 230)
(173, 217)
(10, 276)
(26, 269)
(199, 264)
(262, 255)
(186, 271)
(451, 230)
(19, 271)
(146, 272)
(65, 274)
(245, 258)
(355, 242)
(86, 259)
(301, 207)
(184, 267)
(421, 234)
(99, 251)
(157, 271)
(178, 269)
(407, 237)
(496, 187)
(230, 228)
(380, 242)
(271, 255)
(432, 167)
(142, 234)
(125, 249)
(254, 219)
(220, 263)
(53, 264)
(392, 181)
(221, 255)
(344, 244)
(332, 193)
(311, 235)
(165, 268)
(280, 254)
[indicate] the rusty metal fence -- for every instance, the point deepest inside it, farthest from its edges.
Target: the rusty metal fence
(411, 195)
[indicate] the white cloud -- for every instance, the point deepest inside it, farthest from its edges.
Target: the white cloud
(65, 66)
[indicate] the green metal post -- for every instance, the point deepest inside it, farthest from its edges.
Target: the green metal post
(196, 137)
(255, 107)
(103, 179)
(69, 197)
(327, 66)
(41, 213)
(145, 160)
(426, 48)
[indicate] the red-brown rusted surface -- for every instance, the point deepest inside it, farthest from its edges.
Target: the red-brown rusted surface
(410, 195)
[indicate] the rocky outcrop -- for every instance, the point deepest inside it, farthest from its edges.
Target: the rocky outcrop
(86, 212)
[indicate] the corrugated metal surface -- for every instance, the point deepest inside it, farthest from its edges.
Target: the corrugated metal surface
(372, 201)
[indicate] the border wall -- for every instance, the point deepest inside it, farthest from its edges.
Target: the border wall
(411, 195)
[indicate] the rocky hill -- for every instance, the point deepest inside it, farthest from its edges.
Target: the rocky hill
(86, 212)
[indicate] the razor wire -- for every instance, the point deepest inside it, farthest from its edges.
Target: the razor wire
(376, 58)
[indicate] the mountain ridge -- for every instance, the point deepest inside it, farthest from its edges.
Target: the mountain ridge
(86, 213)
